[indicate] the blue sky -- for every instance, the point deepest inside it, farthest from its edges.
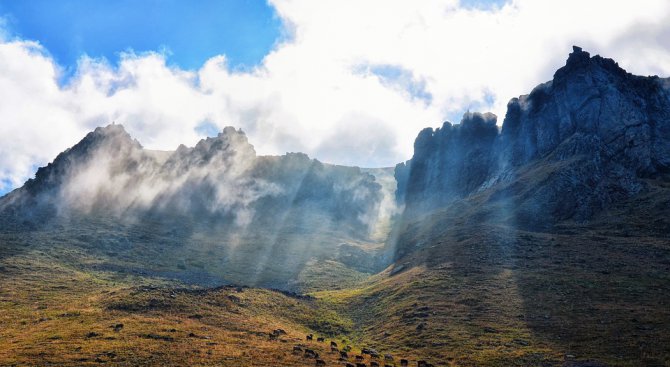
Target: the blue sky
(243, 30)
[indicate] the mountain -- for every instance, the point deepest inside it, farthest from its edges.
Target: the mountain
(546, 242)
(543, 242)
(603, 129)
(219, 212)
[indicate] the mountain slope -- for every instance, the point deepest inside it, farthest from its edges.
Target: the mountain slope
(543, 243)
(594, 133)
(208, 214)
(547, 243)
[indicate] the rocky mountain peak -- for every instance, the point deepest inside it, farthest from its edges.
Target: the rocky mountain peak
(229, 146)
(581, 61)
(113, 136)
(112, 141)
(614, 128)
(228, 138)
(577, 58)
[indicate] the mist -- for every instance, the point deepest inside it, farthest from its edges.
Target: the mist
(255, 219)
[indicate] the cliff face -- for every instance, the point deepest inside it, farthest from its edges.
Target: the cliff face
(569, 149)
(449, 162)
(593, 99)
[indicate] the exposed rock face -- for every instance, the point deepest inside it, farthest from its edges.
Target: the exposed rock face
(593, 99)
(113, 139)
(453, 161)
(220, 177)
(567, 150)
(243, 218)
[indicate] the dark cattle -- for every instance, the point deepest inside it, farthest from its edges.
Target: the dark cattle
(320, 362)
(359, 358)
(422, 364)
(344, 355)
(311, 354)
(388, 357)
(365, 351)
(334, 349)
(374, 364)
(279, 332)
(320, 339)
(361, 365)
(273, 337)
(404, 362)
(349, 365)
(297, 349)
(387, 365)
(310, 337)
(333, 344)
(374, 355)
(117, 327)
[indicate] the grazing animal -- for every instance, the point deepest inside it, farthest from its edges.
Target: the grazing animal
(344, 355)
(320, 362)
(374, 355)
(310, 337)
(359, 358)
(365, 351)
(273, 336)
(387, 365)
(361, 365)
(349, 365)
(333, 344)
(422, 364)
(388, 357)
(297, 349)
(374, 364)
(334, 349)
(320, 339)
(404, 362)
(279, 332)
(311, 354)
(117, 327)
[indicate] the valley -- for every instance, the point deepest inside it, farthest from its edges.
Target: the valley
(544, 242)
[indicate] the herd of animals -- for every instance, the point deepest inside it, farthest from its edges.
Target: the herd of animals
(367, 358)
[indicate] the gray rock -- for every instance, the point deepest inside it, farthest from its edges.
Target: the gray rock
(568, 150)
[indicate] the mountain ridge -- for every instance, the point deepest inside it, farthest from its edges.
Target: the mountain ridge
(541, 243)
(593, 111)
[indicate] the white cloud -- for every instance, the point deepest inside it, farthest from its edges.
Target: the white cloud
(321, 91)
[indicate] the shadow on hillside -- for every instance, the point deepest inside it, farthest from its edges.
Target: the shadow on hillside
(579, 291)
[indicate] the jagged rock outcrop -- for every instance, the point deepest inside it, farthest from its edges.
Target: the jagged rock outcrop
(260, 219)
(569, 149)
(221, 177)
(112, 139)
(453, 161)
(593, 97)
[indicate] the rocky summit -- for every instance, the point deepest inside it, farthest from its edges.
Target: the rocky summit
(542, 241)
(600, 131)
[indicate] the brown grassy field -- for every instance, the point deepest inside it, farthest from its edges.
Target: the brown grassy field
(52, 314)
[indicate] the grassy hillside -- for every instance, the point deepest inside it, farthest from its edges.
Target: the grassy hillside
(55, 311)
(472, 290)
(54, 314)
(468, 287)
(465, 293)
(539, 300)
